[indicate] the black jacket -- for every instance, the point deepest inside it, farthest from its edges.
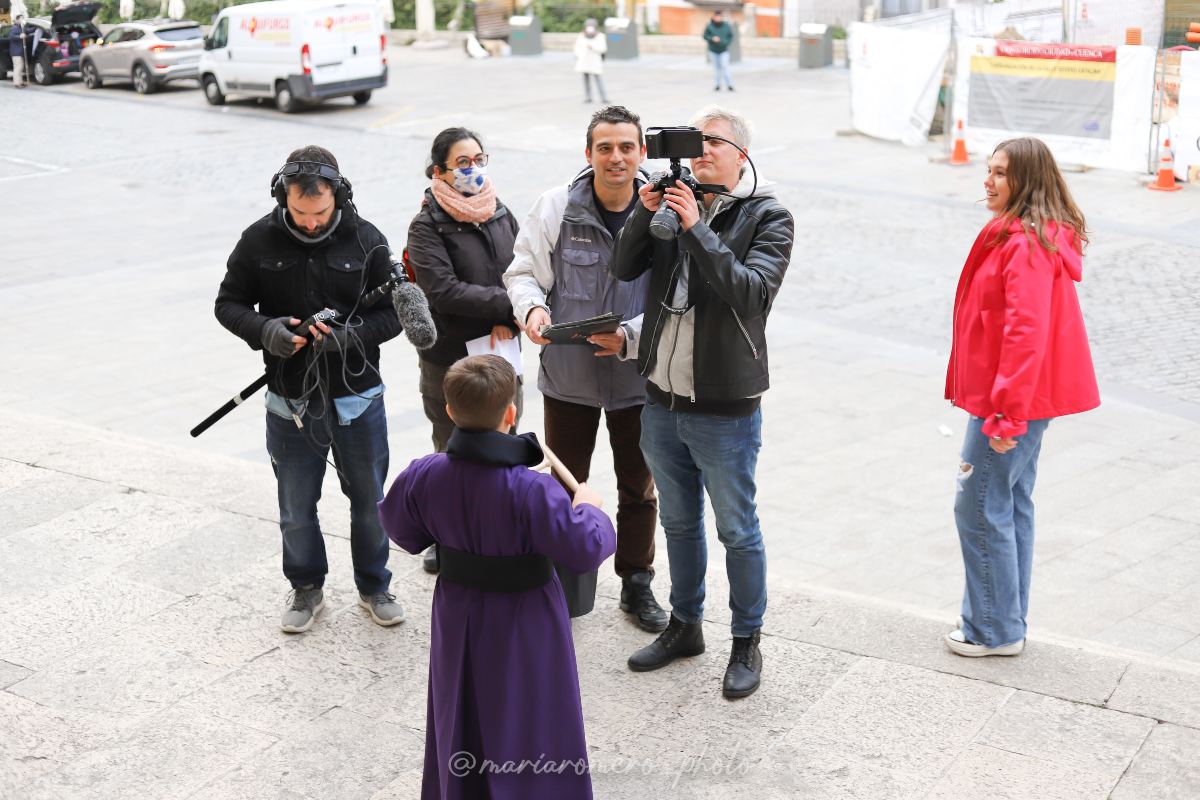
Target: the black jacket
(274, 271)
(735, 270)
(460, 267)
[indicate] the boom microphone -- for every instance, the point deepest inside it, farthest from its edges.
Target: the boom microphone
(412, 309)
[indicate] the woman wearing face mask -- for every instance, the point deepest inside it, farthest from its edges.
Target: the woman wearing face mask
(1019, 358)
(459, 244)
(590, 47)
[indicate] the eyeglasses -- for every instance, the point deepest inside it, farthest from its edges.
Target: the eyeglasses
(463, 162)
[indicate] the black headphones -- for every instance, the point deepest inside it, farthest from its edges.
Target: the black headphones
(343, 192)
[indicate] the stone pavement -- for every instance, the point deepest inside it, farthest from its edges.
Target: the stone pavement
(141, 659)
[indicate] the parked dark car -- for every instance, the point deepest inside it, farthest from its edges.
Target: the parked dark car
(59, 43)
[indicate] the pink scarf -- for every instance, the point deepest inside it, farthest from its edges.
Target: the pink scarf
(474, 208)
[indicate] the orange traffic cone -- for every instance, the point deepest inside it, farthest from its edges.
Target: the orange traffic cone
(1166, 171)
(959, 156)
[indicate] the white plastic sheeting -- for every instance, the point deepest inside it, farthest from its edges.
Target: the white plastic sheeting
(1124, 148)
(1105, 21)
(895, 76)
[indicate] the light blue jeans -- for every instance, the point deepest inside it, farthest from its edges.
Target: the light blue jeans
(721, 69)
(689, 454)
(994, 514)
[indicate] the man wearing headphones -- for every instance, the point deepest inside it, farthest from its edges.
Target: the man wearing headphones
(311, 253)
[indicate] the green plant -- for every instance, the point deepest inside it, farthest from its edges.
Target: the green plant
(443, 12)
(569, 18)
(837, 31)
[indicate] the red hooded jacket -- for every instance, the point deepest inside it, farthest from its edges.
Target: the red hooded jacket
(1020, 349)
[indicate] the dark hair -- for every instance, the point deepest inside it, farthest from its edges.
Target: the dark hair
(478, 389)
(615, 115)
(310, 184)
(442, 144)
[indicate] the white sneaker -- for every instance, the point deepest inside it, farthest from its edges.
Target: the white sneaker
(959, 645)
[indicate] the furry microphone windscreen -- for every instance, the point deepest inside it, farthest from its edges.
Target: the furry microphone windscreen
(412, 309)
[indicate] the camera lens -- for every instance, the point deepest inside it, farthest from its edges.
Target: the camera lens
(665, 223)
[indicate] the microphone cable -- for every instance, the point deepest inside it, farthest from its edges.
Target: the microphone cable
(315, 378)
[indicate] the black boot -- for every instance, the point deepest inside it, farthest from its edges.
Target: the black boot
(430, 560)
(679, 640)
(744, 672)
(637, 598)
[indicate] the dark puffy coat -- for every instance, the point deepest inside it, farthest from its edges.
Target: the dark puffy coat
(460, 266)
(283, 277)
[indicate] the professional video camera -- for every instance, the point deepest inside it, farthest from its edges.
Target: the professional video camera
(676, 143)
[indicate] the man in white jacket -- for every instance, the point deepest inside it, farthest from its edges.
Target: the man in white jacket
(560, 266)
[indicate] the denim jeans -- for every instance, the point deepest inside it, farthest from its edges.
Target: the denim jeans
(994, 513)
(721, 69)
(360, 452)
(689, 454)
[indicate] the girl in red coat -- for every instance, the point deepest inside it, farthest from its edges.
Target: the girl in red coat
(1020, 358)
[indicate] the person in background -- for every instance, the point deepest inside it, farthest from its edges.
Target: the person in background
(18, 48)
(590, 47)
(718, 35)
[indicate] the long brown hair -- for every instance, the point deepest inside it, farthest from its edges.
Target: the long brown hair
(1039, 193)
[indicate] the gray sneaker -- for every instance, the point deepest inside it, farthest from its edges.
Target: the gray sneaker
(383, 608)
(301, 612)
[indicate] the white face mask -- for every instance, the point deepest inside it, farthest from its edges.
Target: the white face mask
(470, 180)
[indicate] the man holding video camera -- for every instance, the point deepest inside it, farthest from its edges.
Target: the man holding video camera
(560, 268)
(715, 266)
(313, 252)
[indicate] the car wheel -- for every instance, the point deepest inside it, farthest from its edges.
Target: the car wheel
(42, 75)
(6, 66)
(91, 76)
(212, 91)
(143, 81)
(362, 98)
(285, 101)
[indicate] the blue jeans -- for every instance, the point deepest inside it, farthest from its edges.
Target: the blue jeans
(721, 69)
(689, 454)
(994, 514)
(360, 452)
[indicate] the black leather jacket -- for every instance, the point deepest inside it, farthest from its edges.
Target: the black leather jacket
(735, 270)
(272, 270)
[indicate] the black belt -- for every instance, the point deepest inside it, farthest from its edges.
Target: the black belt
(495, 573)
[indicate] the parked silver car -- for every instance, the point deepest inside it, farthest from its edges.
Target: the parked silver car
(148, 53)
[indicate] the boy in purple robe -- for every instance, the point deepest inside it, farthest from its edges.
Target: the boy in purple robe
(504, 717)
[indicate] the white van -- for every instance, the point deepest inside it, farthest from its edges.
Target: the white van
(295, 51)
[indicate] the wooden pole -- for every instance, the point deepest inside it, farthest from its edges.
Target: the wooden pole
(561, 471)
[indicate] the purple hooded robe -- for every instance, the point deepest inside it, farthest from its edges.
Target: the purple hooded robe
(504, 718)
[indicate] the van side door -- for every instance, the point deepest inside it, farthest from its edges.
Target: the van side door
(219, 54)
